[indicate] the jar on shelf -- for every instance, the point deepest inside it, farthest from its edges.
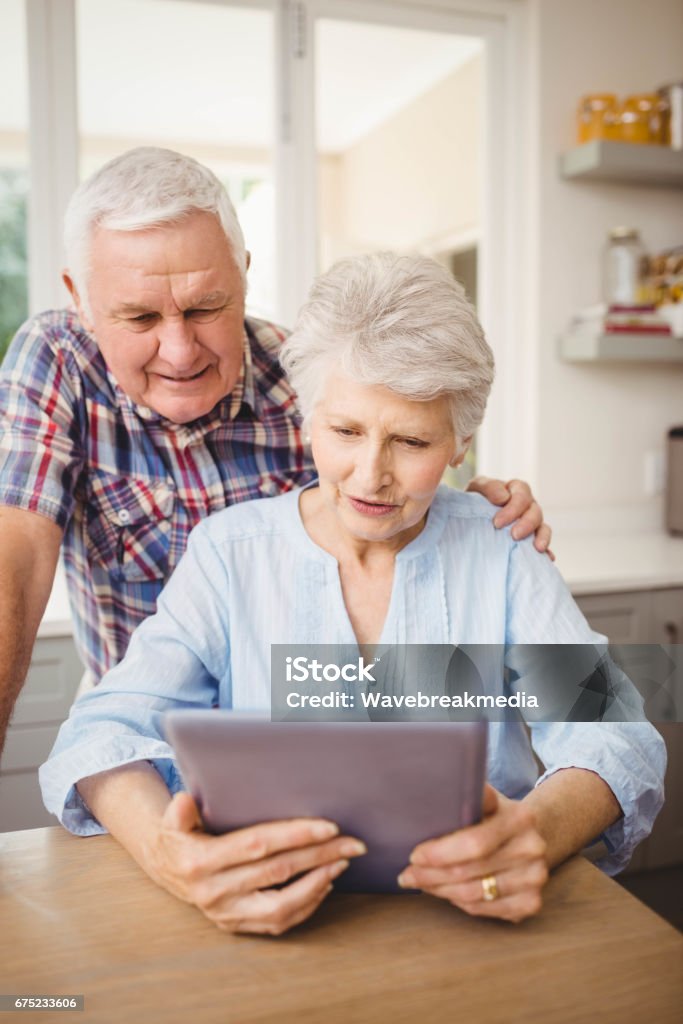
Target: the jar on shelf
(596, 116)
(672, 98)
(641, 119)
(624, 268)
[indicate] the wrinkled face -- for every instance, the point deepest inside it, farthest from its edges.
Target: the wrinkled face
(167, 309)
(380, 458)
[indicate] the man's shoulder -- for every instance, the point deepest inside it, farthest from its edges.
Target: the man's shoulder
(53, 346)
(274, 394)
(58, 327)
(265, 336)
(54, 334)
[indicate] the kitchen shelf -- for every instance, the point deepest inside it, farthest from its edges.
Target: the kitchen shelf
(584, 347)
(626, 162)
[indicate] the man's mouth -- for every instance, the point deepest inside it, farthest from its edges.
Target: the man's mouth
(371, 508)
(184, 379)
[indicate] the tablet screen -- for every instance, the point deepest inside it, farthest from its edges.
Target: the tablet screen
(393, 785)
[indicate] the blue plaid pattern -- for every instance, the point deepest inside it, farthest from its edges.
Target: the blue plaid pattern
(126, 485)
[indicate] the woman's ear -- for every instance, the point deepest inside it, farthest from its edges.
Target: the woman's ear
(461, 451)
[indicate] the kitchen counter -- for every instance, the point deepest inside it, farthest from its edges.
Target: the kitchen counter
(603, 562)
(593, 561)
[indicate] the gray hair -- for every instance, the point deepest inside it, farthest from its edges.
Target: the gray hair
(402, 322)
(144, 187)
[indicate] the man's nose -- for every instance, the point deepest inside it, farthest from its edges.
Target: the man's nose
(177, 343)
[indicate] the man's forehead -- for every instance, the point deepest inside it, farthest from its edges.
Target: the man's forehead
(193, 249)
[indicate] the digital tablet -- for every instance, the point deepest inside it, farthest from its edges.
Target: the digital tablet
(392, 785)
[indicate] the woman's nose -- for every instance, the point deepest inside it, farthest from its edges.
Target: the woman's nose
(374, 469)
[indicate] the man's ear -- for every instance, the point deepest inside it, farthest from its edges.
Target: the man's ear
(73, 292)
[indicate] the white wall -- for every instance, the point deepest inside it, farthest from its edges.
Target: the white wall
(596, 423)
(416, 179)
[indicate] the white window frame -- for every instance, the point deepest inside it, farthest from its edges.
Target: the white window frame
(53, 142)
(506, 440)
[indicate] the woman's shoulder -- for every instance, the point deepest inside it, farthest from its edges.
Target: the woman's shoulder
(259, 517)
(465, 505)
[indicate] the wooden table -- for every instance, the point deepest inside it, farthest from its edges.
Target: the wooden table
(78, 916)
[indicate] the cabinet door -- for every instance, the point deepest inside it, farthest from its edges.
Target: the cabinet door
(623, 618)
(47, 695)
(665, 845)
(633, 623)
(51, 683)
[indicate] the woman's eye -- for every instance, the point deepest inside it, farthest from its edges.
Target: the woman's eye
(344, 431)
(414, 442)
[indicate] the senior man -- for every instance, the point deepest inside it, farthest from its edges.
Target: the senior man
(151, 404)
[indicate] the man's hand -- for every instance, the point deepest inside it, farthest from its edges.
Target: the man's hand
(506, 844)
(518, 506)
(231, 878)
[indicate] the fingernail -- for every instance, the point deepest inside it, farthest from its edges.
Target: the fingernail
(337, 868)
(417, 858)
(324, 830)
(353, 848)
(514, 533)
(403, 880)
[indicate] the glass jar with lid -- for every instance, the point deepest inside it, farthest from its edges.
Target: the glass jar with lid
(641, 119)
(596, 116)
(624, 264)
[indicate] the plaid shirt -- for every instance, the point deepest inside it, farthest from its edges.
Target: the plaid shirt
(126, 485)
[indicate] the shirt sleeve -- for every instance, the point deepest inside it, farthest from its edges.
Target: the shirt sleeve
(624, 749)
(41, 419)
(177, 658)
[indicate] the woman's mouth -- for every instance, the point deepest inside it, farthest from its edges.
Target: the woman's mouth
(371, 508)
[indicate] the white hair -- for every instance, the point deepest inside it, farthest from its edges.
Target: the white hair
(402, 322)
(143, 188)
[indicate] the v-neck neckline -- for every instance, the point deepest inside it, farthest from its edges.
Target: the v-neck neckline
(418, 545)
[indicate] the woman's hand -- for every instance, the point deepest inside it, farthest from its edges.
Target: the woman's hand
(505, 846)
(518, 506)
(230, 878)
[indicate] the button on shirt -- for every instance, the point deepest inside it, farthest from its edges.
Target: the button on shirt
(126, 485)
(252, 577)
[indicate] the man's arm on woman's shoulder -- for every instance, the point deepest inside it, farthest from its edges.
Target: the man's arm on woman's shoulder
(518, 506)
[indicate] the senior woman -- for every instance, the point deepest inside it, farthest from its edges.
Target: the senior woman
(393, 373)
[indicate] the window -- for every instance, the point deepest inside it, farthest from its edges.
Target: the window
(13, 172)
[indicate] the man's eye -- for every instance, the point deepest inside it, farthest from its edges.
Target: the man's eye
(143, 318)
(345, 431)
(203, 314)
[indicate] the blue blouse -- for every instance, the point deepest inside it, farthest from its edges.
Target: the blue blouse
(252, 577)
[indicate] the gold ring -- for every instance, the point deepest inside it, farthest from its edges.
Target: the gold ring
(490, 887)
